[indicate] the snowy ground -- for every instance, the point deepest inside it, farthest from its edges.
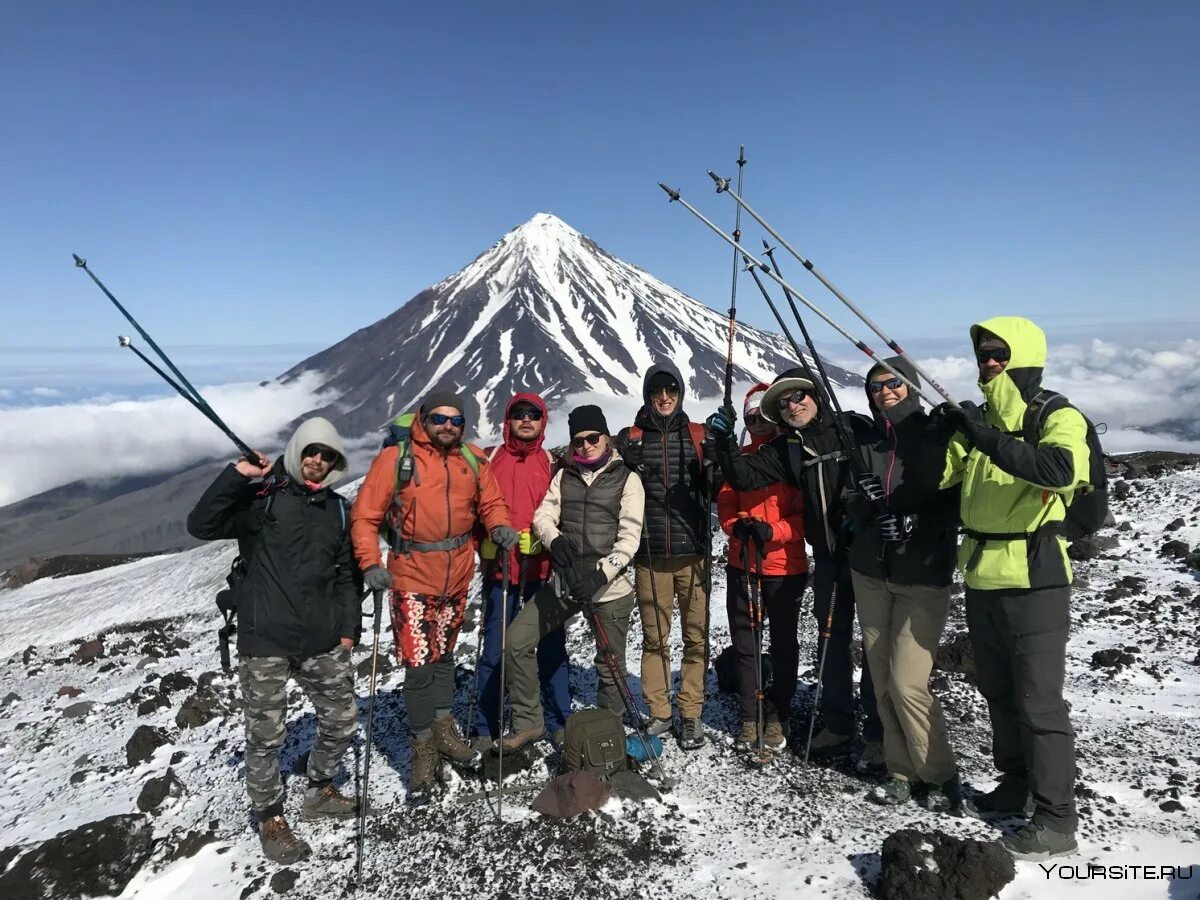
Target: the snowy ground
(725, 831)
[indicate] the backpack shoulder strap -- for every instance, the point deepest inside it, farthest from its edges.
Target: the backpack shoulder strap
(696, 433)
(1038, 410)
(472, 460)
(492, 453)
(635, 432)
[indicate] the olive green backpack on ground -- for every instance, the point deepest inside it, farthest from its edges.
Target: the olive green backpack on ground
(595, 743)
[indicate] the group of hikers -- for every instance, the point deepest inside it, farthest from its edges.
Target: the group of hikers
(874, 526)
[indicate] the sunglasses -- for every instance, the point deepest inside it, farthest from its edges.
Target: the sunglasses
(592, 439)
(753, 419)
(795, 398)
(892, 384)
(999, 354)
(670, 390)
(442, 419)
(526, 412)
(325, 453)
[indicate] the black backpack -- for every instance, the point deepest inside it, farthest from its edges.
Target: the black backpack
(1088, 512)
(595, 743)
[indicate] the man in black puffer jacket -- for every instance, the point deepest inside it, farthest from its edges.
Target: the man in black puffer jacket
(298, 616)
(809, 456)
(666, 450)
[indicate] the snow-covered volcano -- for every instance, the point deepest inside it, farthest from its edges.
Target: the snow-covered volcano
(546, 309)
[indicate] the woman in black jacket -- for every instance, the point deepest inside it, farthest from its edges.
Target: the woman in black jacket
(901, 560)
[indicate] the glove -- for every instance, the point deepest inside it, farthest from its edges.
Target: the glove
(869, 485)
(633, 453)
(530, 545)
(967, 417)
(563, 553)
(585, 584)
(754, 530)
(722, 422)
(893, 529)
(377, 578)
(504, 537)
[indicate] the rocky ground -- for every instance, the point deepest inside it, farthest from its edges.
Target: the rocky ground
(134, 732)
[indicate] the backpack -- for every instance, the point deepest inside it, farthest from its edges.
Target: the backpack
(399, 435)
(1088, 511)
(595, 743)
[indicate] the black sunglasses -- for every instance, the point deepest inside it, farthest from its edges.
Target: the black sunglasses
(592, 439)
(325, 453)
(670, 390)
(442, 419)
(753, 419)
(892, 384)
(999, 354)
(796, 397)
(526, 412)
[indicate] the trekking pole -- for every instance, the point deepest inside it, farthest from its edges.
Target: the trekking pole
(754, 613)
(826, 634)
(363, 800)
(504, 572)
(619, 678)
(752, 264)
(737, 237)
(664, 652)
(192, 395)
(489, 571)
(723, 187)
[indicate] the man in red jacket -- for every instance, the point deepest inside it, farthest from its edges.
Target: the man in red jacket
(766, 523)
(523, 468)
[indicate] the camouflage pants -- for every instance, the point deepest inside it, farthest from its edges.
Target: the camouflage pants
(328, 680)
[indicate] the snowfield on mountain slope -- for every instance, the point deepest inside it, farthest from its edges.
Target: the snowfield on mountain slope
(725, 831)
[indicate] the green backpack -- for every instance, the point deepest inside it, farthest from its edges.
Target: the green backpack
(595, 743)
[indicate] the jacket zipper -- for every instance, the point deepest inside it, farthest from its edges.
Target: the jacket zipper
(666, 492)
(887, 493)
(449, 512)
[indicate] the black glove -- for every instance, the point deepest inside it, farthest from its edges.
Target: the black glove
(967, 417)
(585, 583)
(869, 485)
(754, 530)
(722, 422)
(377, 578)
(504, 537)
(893, 529)
(563, 553)
(633, 453)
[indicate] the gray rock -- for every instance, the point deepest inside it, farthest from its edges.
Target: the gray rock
(930, 865)
(94, 860)
(145, 740)
(79, 710)
(157, 790)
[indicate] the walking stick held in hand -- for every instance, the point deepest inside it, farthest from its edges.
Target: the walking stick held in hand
(505, 562)
(826, 634)
(752, 565)
(362, 801)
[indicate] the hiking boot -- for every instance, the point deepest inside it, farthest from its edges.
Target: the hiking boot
(1037, 842)
(483, 743)
(748, 739)
(872, 759)
(691, 735)
(423, 780)
(773, 737)
(1008, 799)
(944, 798)
(892, 792)
(325, 801)
(452, 747)
(519, 739)
(828, 743)
(659, 727)
(279, 844)
(558, 737)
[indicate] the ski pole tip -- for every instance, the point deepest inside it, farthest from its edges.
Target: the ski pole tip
(123, 340)
(722, 183)
(671, 192)
(80, 262)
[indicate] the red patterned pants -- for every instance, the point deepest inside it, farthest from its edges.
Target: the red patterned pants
(425, 627)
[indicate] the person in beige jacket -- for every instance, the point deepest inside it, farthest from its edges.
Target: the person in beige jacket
(591, 519)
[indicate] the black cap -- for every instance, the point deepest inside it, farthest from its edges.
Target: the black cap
(586, 418)
(442, 398)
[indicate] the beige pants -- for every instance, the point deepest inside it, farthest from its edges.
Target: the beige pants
(681, 577)
(901, 626)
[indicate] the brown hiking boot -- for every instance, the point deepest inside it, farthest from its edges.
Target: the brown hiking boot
(325, 801)
(519, 739)
(424, 772)
(452, 747)
(748, 739)
(773, 736)
(279, 844)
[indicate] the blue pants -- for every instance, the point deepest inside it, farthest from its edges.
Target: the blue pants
(552, 662)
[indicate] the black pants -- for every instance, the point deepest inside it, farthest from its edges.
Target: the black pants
(1020, 642)
(427, 689)
(780, 598)
(837, 682)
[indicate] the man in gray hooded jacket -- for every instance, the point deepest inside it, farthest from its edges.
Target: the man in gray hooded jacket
(298, 616)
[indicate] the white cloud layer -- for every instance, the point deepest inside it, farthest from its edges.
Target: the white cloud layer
(47, 446)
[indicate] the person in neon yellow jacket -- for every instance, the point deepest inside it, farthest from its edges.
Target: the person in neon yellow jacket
(1018, 576)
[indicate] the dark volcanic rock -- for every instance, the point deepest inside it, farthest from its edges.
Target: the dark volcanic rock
(934, 866)
(9, 699)
(88, 651)
(1092, 546)
(1113, 658)
(957, 655)
(94, 860)
(176, 681)
(1121, 489)
(67, 691)
(157, 790)
(1176, 548)
(146, 739)
(78, 710)
(283, 881)
(199, 708)
(1175, 525)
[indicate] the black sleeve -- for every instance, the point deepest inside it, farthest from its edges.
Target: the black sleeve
(748, 472)
(1041, 464)
(349, 587)
(220, 511)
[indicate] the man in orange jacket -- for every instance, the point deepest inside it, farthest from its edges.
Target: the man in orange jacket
(430, 515)
(766, 537)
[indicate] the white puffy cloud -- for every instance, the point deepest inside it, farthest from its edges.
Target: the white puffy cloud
(46, 446)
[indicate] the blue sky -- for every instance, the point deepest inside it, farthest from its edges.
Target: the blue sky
(259, 174)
